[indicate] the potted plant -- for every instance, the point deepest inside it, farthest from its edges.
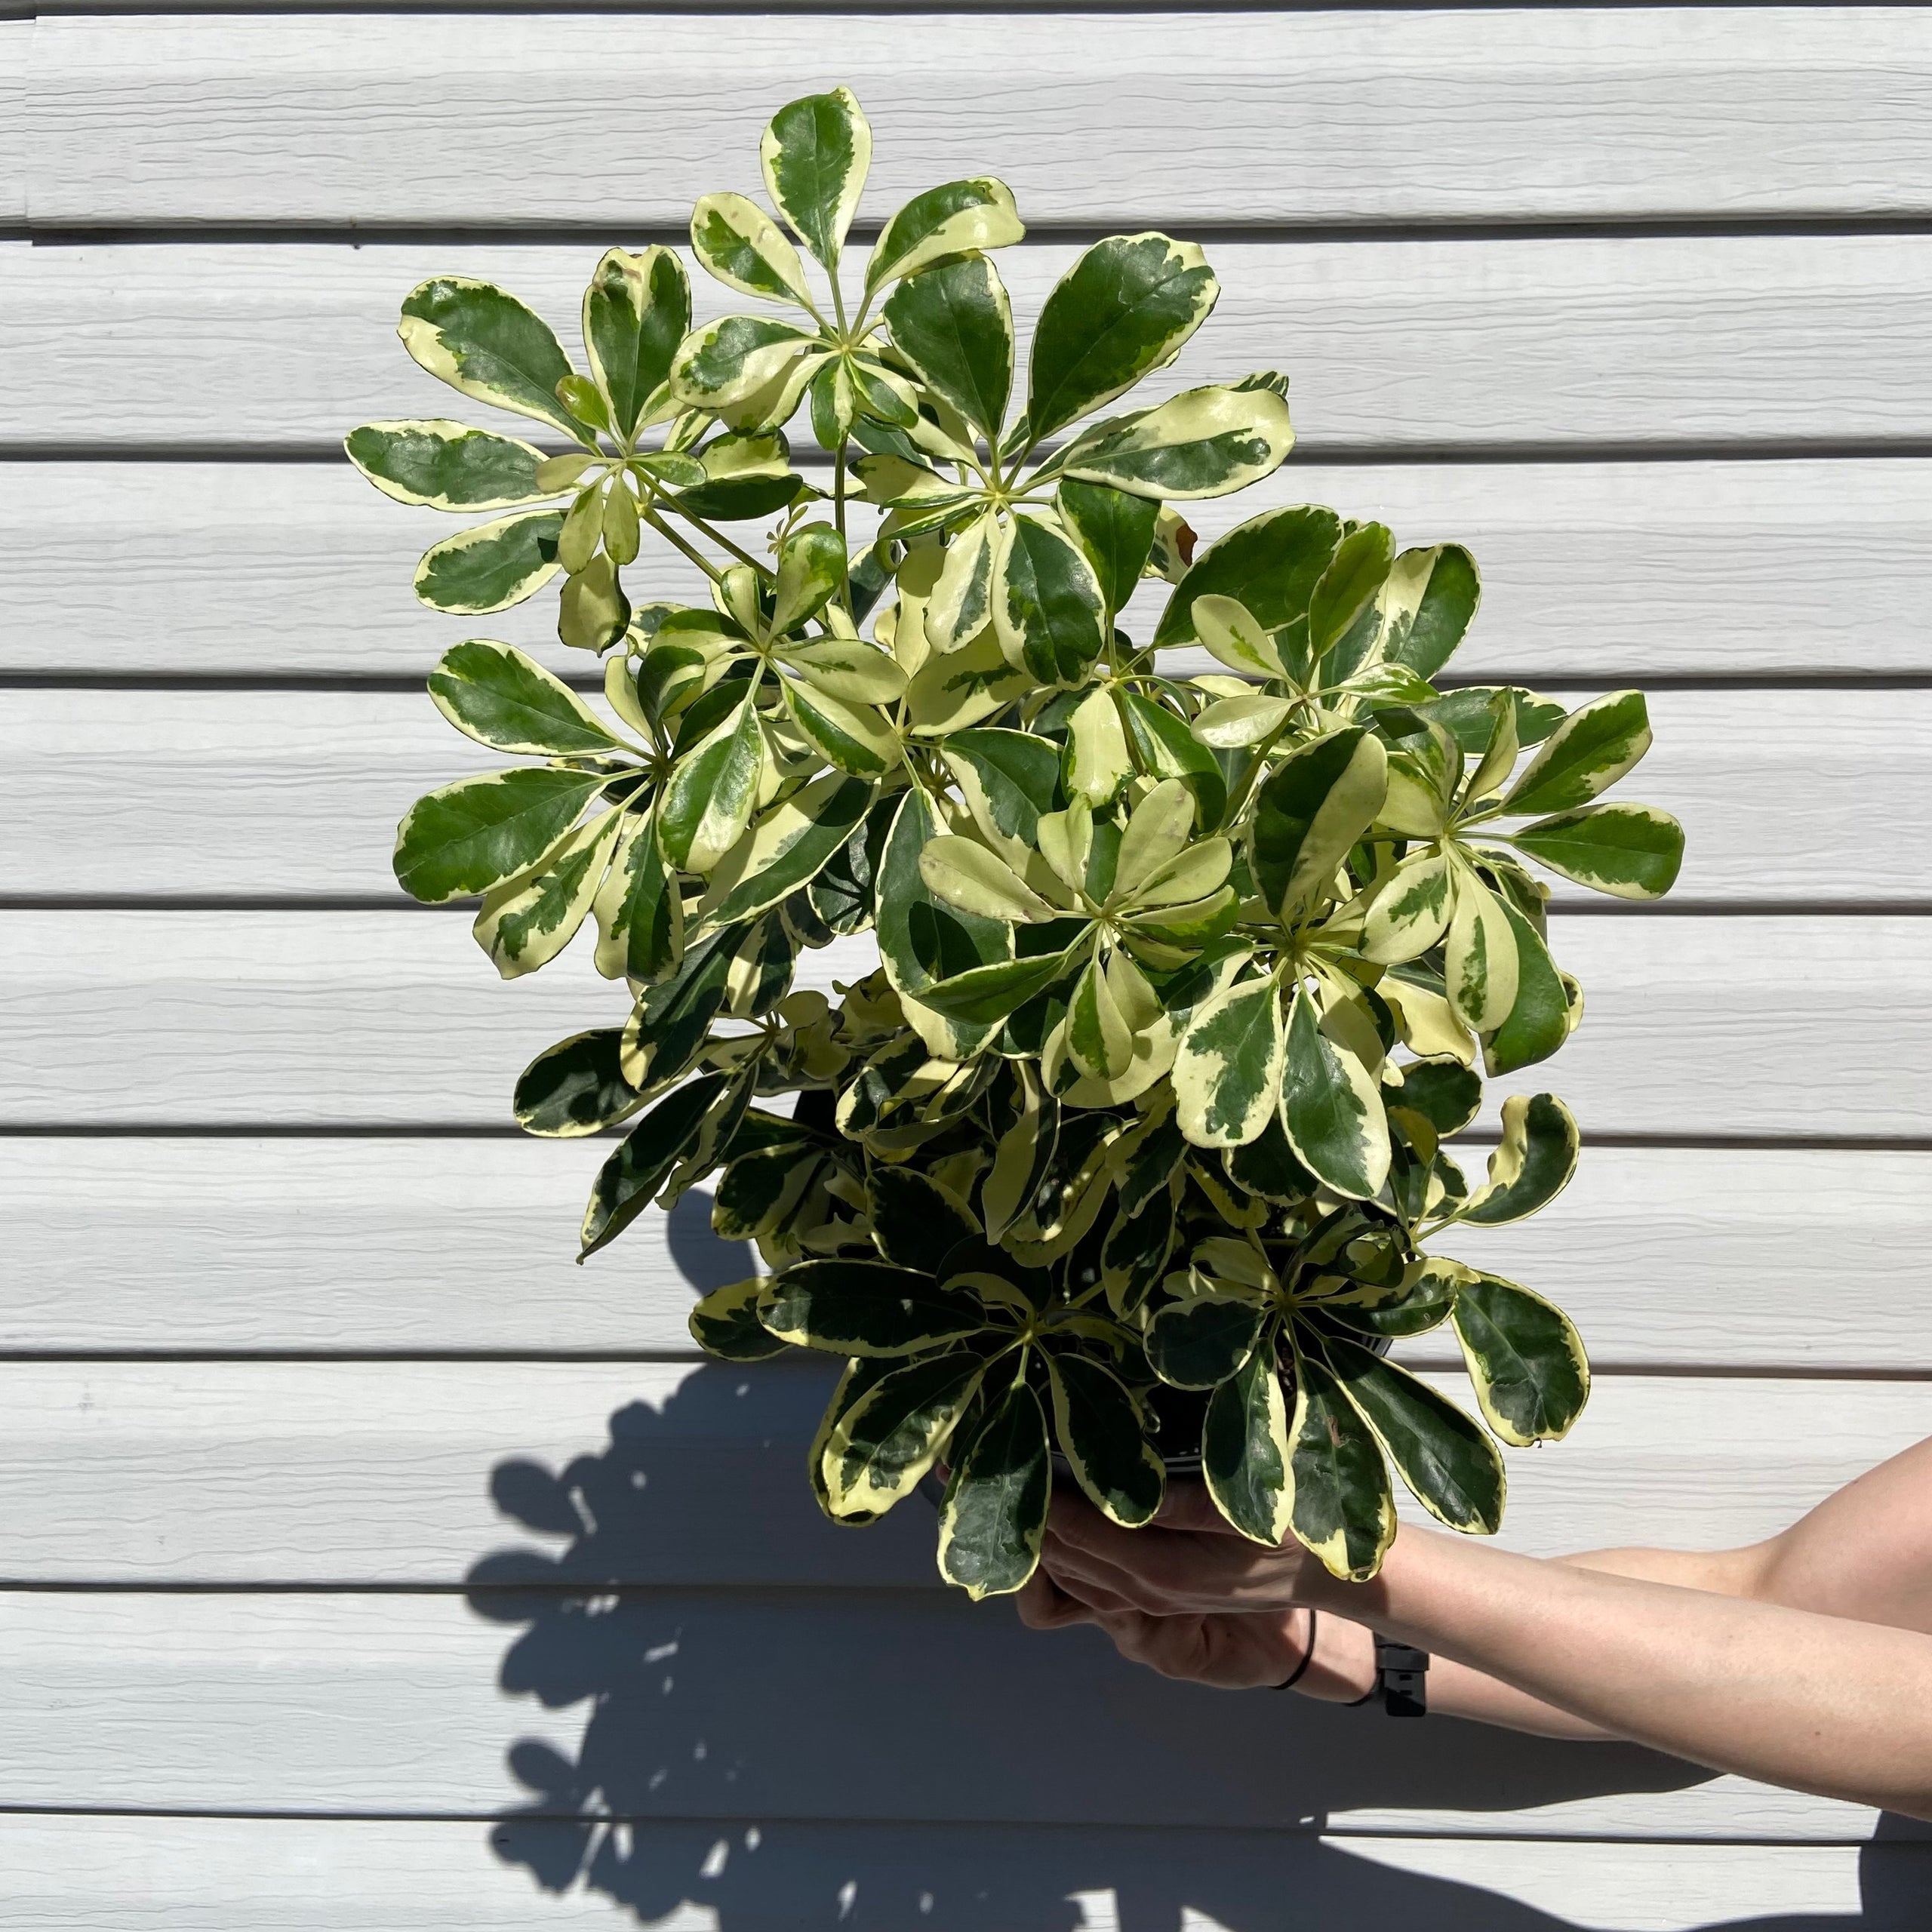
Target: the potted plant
(1133, 1153)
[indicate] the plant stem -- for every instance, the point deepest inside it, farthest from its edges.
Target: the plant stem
(677, 543)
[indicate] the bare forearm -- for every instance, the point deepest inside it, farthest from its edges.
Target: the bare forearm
(1346, 1651)
(1822, 1703)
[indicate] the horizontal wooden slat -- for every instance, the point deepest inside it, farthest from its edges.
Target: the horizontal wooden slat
(1683, 1258)
(1696, 1026)
(229, 1875)
(1609, 571)
(15, 39)
(1545, 112)
(432, 1475)
(1474, 345)
(707, 1705)
(1787, 795)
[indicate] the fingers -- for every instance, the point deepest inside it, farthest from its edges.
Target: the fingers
(1043, 1605)
(1187, 1505)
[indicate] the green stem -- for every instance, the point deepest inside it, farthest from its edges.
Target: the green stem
(724, 542)
(677, 543)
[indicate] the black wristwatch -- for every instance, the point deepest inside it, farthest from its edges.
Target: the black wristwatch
(1401, 1680)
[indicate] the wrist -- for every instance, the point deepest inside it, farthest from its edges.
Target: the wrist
(1341, 1669)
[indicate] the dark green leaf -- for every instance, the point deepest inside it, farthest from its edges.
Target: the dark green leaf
(995, 1508)
(952, 322)
(886, 1441)
(1125, 309)
(1526, 1361)
(632, 1177)
(1532, 1165)
(1539, 1023)
(1116, 530)
(1101, 1432)
(865, 1308)
(1271, 563)
(577, 1086)
(1164, 747)
(916, 1223)
(1340, 1507)
(1449, 1466)
(724, 1323)
(1245, 1451)
(636, 311)
(473, 835)
(1199, 1342)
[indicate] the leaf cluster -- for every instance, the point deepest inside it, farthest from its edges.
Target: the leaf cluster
(1132, 1154)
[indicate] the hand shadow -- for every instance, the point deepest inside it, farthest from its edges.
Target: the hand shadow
(757, 1684)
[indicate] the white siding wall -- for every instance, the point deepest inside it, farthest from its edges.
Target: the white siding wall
(364, 1565)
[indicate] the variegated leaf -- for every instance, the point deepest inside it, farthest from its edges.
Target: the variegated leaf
(1411, 911)
(709, 799)
(916, 1221)
(816, 155)
(1234, 724)
(1227, 1074)
(846, 668)
(576, 1087)
(1424, 609)
(725, 365)
(527, 921)
(491, 566)
(1449, 1465)
(1007, 778)
(630, 1180)
(1340, 1505)
(494, 693)
(1331, 1109)
(1531, 1166)
(636, 311)
(481, 340)
(961, 606)
(1538, 1021)
(1313, 808)
(1048, 610)
(1525, 1359)
(994, 1513)
(950, 220)
(1481, 968)
(639, 910)
(1271, 563)
(1359, 568)
(865, 1308)
(471, 835)
(953, 324)
(1116, 530)
(855, 737)
(448, 466)
(1245, 1451)
(967, 875)
(1204, 442)
(1629, 851)
(724, 1323)
(1104, 1439)
(1586, 754)
(788, 848)
(882, 1445)
(1200, 1341)
(1232, 633)
(1126, 308)
(738, 243)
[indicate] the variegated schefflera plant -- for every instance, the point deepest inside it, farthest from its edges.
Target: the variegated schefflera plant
(1133, 1153)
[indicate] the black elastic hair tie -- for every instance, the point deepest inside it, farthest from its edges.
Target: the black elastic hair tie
(1293, 1677)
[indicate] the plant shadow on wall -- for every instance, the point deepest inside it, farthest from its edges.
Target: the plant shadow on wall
(733, 1675)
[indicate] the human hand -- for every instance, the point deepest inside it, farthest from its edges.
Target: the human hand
(1190, 1560)
(1236, 1651)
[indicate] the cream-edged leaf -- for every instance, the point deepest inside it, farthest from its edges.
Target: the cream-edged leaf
(448, 466)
